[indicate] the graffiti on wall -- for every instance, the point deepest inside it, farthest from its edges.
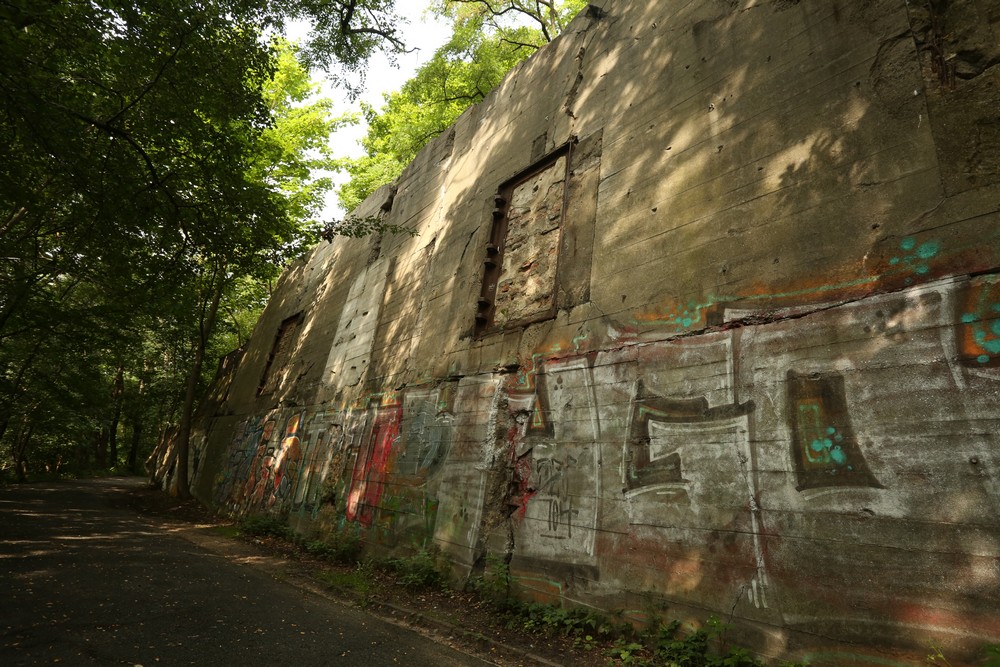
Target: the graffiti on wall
(979, 324)
(320, 446)
(555, 460)
(409, 505)
(372, 463)
(247, 450)
(274, 469)
(824, 449)
(688, 469)
(722, 476)
(653, 462)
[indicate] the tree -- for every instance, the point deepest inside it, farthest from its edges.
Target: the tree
(548, 17)
(145, 173)
(488, 39)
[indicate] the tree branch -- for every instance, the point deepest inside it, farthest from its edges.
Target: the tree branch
(156, 78)
(158, 182)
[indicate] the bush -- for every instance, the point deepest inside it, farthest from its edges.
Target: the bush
(265, 525)
(343, 547)
(420, 570)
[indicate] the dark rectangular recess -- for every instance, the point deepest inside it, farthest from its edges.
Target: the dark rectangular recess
(495, 245)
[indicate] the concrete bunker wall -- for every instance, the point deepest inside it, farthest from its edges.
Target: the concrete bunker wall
(765, 382)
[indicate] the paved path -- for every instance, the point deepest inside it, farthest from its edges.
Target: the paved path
(85, 583)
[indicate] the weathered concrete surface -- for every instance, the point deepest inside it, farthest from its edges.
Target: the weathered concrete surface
(770, 387)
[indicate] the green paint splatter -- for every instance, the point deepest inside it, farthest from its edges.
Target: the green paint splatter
(909, 243)
(983, 358)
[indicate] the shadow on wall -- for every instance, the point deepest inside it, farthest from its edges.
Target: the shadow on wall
(778, 404)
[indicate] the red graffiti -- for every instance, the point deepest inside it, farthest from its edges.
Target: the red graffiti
(372, 464)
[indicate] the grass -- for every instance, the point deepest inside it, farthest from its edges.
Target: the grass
(357, 581)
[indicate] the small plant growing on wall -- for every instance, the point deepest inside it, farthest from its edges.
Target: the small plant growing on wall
(494, 584)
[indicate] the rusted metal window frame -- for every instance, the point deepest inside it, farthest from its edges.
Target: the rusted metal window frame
(495, 245)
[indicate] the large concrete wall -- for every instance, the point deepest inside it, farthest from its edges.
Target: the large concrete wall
(756, 374)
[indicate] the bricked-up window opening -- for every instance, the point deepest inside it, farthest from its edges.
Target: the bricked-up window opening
(522, 255)
(281, 354)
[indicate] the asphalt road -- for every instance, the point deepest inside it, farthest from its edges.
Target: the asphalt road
(85, 583)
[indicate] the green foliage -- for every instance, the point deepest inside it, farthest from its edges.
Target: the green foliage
(356, 227)
(693, 649)
(666, 645)
(421, 570)
(266, 525)
(628, 653)
(483, 47)
(343, 546)
(549, 619)
(159, 160)
(494, 584)
(990, 651)
(936, 657)
(360, 580)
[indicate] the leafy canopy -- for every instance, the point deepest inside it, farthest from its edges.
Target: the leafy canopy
(157, 155)
(488, 39)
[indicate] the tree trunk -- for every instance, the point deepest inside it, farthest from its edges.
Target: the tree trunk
(101, 447)
(191, 391)
(133, 450)
(8, 402)
(19, 448)
(118, 395)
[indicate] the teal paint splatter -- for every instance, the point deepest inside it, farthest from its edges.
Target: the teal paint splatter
(928, 250)
(983, 358)
(917, 260)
